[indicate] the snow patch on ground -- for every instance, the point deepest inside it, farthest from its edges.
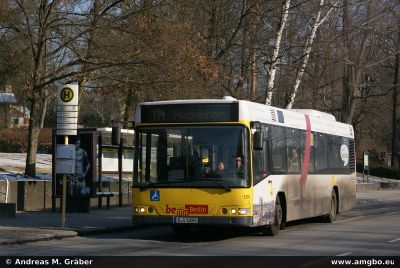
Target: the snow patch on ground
(43, 161)
(12, 166)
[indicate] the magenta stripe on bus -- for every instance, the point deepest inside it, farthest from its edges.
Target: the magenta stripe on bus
(306, 160)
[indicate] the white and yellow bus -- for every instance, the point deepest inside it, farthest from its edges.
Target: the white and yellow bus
(278, 165)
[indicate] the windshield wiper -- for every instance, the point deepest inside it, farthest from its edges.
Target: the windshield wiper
(227, 188)
(143, 186)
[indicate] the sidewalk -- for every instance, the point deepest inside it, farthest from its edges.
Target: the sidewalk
(43, 225)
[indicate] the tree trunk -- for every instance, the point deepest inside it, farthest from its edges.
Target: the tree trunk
(89, 50)
(253, 73)
(274, 59)
(38, 96)
(347, 67)
(33, 135)
(354, 67)
(395, 160)
(316, 80)
(252, 56)
(130, 104)
(45, 101)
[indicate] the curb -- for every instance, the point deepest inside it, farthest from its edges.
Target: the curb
(365, 187)
(390, 185)
(40, 237)
(105, 230)
(65, 234)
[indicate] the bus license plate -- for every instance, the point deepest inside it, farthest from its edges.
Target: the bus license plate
(186, 220)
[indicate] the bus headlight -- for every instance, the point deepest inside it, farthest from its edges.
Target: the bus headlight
(244, 211)
(233, 211)
(142, 210)
(150, 210)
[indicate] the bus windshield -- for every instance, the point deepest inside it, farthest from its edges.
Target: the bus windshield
(192, 156)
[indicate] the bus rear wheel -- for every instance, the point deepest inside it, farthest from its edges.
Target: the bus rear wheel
(331, 217)
(274, 228)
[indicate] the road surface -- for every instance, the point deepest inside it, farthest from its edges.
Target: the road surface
(372, 228)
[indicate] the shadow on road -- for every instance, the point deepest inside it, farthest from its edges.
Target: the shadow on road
(196, 234)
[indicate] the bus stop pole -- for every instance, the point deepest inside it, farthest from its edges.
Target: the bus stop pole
(64, 193)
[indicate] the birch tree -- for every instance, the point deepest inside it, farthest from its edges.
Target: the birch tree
(319, 20)
(273, 62)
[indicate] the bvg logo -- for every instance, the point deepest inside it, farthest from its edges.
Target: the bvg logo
(188, 209)
(197, 209)
(67, 94)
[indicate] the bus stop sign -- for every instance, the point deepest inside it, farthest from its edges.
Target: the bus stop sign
(67, 109)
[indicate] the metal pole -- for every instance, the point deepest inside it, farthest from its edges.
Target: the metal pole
(120, 152)
(64, 192)
(53, 172)
(100, 164)
(44, 195)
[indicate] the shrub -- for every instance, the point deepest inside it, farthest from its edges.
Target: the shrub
(381, 171)
(10, 147)
(44, 148)
(16, 140)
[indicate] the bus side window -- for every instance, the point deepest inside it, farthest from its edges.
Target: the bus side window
(257, 165)
(278, 149)
(334, 153)
(292, 150)
(261, 162)
(303, 147)
(321, 152)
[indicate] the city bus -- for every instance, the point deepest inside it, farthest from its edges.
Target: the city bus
(229, 162)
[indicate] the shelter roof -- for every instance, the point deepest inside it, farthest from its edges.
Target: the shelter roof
(7, 98)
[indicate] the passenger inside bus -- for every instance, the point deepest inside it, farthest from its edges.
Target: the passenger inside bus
(293, 161)
(195, 166)
(220, 168)
(239, 166)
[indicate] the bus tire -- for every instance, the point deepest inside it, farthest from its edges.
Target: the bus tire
(331, 217)
(180, 229)
(274, 228)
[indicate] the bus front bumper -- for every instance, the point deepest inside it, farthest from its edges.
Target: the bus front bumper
(244, 221)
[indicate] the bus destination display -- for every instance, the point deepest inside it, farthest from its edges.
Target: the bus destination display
(187, 113)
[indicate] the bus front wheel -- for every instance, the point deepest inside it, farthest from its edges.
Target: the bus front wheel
(274, 228)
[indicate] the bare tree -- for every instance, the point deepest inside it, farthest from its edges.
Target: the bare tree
(354, 61)
(53, 33)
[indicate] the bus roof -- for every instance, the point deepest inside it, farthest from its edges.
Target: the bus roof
(251, 111)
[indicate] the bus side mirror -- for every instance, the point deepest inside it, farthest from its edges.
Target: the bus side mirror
(258, 140)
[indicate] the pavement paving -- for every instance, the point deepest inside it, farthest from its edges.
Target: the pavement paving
(44, 225)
